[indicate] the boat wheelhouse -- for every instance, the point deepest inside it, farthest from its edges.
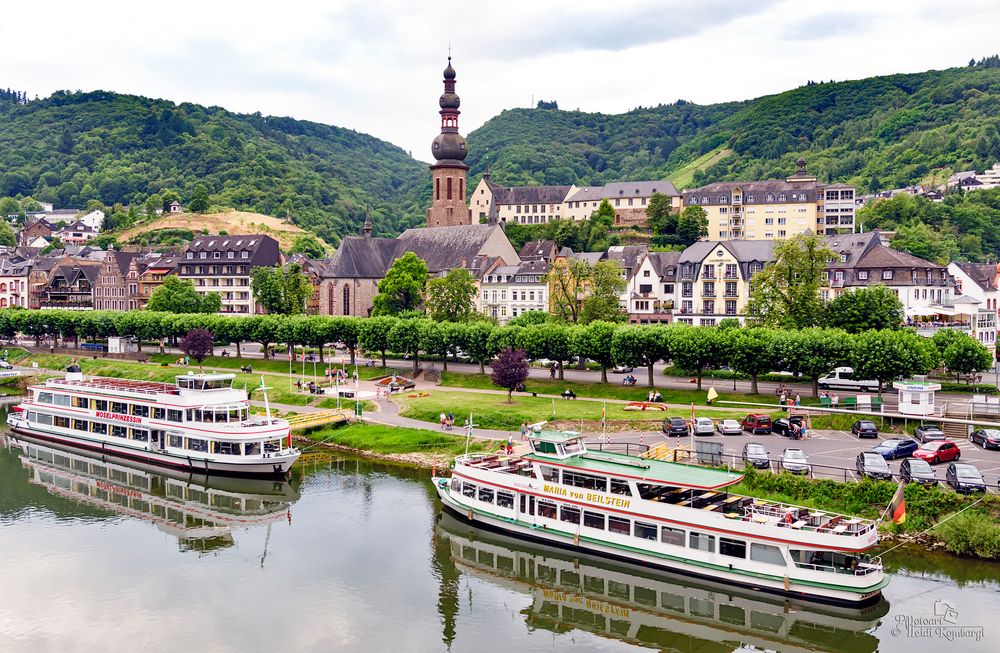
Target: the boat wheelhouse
(673, 516)
(200, 423)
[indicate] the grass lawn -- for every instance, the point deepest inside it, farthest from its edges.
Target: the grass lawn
(493, 412)
(278, 365)
(606, 390)
(393, 439)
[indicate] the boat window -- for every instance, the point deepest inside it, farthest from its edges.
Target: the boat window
(593, 519)
(159, 413)
(176, 441)
(546, 509)
(486, 494)
(272, 446)
(569, 579)
(119, 407)
(140, 410)
(174, 416)
(61, 400)
(119, 431)
(142, 435)
(44, 419)
(184, 383)
(62, 422)
(572, 447)
(649, 491)
(469, 490)
(569, 514)
(456, 485)
(824, 560)
(618, 590)
(98, 427)
(645, 531)
(80, 425)
(645, 596)
(32, 416)
(100, 404)
(620, 486)
(234, 414)
(550, 474)
(45, 397)
(505, 499)
(586, 481)
(541, 446)
(732, 548)
(81, 402)
(701, 607)
(197, 444)
(619, 525)
(674, 536)
(702, 542)
(766, 553)
(228, 448)
(251, 448)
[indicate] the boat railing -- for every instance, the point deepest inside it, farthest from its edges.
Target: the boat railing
(805, 519)
(863, 568)
(140, 387)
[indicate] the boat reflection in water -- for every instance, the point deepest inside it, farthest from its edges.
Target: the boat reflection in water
(648, 608)
(201, 511)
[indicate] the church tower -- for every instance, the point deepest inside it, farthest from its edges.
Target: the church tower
(448, 172)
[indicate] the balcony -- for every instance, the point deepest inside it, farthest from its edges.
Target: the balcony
(837, 283)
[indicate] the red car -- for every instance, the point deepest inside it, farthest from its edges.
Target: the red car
(938, 451)
(757, 423)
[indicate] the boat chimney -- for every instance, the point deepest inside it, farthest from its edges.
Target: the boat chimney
(74, 373)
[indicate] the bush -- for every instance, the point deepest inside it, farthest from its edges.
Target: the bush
(971, 534)
(965, 388)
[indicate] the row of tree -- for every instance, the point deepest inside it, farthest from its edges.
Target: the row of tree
(883, 355)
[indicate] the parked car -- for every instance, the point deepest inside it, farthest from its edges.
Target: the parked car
(794, 461)
(964, 478)
(703, 426)
(755, 454)
(729, 427)
(783, 425)
(757, 423)
(896, 448)
(929, 433)
(5, 365)
(938, 451)
(915, 470)
(872, 465)
(843, 377)
(864, 428)
(621, 369)
(988, 438)
(675, 426)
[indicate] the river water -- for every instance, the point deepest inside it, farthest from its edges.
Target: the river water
(354, 555)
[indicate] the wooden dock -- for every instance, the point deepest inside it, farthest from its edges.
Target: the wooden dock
(321, 418)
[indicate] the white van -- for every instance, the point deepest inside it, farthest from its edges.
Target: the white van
(843, 377)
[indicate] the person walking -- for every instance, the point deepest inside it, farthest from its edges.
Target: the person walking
(798, 400)
(443, 419)
(834, 400)
(524, 431)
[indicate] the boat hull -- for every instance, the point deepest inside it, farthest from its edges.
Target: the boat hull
(276, 467)
(832, 596)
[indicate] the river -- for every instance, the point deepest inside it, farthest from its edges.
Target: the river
(355, 555)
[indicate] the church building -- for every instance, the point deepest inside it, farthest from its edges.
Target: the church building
(448, 207)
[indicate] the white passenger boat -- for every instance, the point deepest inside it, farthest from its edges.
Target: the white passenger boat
(672, 516)
(200, 423)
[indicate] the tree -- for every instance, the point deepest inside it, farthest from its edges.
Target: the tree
(594, 342)
(168, 197)
(404, 338)
(199, 199)
(786, 292)
(639, 346)
(605, 285)
(566, 280)
(402, 287)
(510, 370)
(309, 246)
(476, 343)
(54, 243)
(813, 352)
(197, 344)
(449, 298)
(375, 334)
(692, 225)
(696, 348)
(153, 203)
(179, 296)
(889, 355)
(965, 355)
(865, 309)
(751, 352)
(583, 293)
(528, 318)
(7, 236)
(660, 216)
(281, 291)
(546, 341)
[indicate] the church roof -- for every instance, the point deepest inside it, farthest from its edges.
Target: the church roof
(443, 248)
(528, 194)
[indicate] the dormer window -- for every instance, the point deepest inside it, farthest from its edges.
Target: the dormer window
(750, 198)
(863, 274)
(692, 200)
(704, 199)
(781, 197)
(202, 254)
(723, 199)
(887, 274)
(843, 258)
(769, 198)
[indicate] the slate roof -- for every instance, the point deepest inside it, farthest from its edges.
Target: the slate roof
(742, 250)
(628, 256)
(624, 189)
(444, 248)
(361, 258)
(984, 275)
(263, 250)
(528, 194)
(805, 191)
(545, 249)
(664, 263)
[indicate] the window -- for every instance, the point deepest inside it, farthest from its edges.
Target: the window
(140, 410)
(347, 299)
(593, 519)
(81, 402)
(732, 548)
(702, 542)
(766, 553)
(672, 536)
(782, 197)
(505, 499)
(708, 289)
(731, 289)
(80, 425)
(197, 444)
(750, 198)
(486, 494)
(142, 435)
(159, 413)
(174, 416)
(100, 404)
(645, 531)
(119, 407)
(862, 274)
(708, 307)
(619, 525)
(119, 431)
(887, 274)
(546, 508)
(469, 490)
(620, 486)
(98, 427)
(586, 481)
(569, 514)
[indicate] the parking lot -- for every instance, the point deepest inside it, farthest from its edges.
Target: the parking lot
(831, 453)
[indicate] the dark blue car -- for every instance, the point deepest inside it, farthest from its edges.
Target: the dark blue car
(896, 448)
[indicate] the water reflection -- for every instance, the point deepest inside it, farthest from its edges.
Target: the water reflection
(200, 511)
(627, 603)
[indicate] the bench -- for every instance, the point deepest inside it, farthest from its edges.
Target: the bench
(825, 402)
(799, 524)
(713, 506)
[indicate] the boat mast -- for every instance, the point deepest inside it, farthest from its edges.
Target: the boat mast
(267, 405)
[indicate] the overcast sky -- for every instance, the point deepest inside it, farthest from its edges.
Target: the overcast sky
(375, 65)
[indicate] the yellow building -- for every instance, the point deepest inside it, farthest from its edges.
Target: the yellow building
(714, 279)
(766, 210)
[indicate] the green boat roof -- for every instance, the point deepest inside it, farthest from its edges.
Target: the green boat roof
(643, 469)
(555, 436)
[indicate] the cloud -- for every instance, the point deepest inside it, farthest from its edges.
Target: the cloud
(829, 25)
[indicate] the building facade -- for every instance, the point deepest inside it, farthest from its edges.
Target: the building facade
(507, 291)
(14, 273)
(111, 289)
(652, 289)
(774, 209)
(224, 264)
(70, 286)
(448, 173)
(491, 202)
(629, 199)
(714, 279)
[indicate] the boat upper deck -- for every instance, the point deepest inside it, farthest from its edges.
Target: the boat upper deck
(145, 388)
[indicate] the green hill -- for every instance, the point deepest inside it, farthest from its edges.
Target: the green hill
(876, 133)
(73, 147)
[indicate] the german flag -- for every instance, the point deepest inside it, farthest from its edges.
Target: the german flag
(897, 507)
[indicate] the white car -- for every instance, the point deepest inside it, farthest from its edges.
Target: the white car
(729, 427)
(843, 377)
(5, 365)
(794, 461)
(703, 426)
